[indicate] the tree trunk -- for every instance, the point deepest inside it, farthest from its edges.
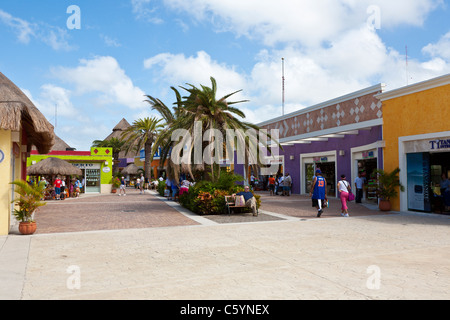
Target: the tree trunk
(148, 155)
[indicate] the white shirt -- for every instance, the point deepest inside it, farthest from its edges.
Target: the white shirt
(342, 186)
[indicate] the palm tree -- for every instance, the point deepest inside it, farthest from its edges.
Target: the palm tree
(116, 144)
(142, 134)
(202, 106)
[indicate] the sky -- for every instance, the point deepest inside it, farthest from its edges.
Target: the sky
(87, 64)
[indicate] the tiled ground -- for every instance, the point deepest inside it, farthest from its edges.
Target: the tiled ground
(108, 212)
(134, 211)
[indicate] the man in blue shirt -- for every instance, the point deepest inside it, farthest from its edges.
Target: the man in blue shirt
(359, 184)
(250, 200)
(318, 192)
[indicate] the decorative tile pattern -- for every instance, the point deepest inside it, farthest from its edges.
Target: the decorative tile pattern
(352, 111)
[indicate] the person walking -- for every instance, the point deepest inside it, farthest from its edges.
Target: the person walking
(318, 192)
(272, 185)
(359, 185)
(287, 183)
(344, 189)
(57, 184)
(122, 187)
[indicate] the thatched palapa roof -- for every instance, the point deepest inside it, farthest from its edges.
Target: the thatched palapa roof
(131, 169)
(17, 112)
(53, 166)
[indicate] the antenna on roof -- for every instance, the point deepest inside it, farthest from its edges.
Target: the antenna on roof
(282, 78)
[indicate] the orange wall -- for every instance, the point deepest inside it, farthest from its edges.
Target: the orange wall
(413, 114)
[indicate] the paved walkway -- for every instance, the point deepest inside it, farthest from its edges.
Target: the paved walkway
(287, 254)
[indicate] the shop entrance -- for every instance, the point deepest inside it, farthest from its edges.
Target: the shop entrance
(367, 169)
(426, 174)
(328, 172)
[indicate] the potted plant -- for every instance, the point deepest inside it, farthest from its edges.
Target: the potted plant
(29, 200)
(387, 185)
(115, 184)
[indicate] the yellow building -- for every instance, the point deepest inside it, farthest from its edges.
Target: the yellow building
(416, 131)
(22, 125)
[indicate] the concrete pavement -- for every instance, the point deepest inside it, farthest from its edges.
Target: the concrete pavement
(371, 256)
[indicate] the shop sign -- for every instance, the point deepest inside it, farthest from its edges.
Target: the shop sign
(320, 159)
(87, 165)
(440, 144)
(368, 155)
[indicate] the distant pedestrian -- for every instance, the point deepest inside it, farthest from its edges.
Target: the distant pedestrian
(344, 190)
(77, 188)
(141, 186)
(57, 184)
(122, 187)
(318, 192)
(272, 185)
(359, 185)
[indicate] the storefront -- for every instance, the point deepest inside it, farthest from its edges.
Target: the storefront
(96, 167)
(338, 136)
(22, 127)
(416, 131)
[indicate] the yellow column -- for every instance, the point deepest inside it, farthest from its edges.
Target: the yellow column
(5, 187)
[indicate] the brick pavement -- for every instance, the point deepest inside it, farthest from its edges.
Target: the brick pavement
(137, 211)
(299, 206)
(108, 212)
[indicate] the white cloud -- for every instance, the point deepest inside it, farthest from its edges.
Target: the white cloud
(439, 49)
(142, 10)
(104, 77)
(22, 28)
(54, 37)
(177, 69)
(302, 22)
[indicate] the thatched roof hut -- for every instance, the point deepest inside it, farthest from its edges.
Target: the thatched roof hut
(53, 166)
(17, 112)
(117, 131)
(131, 169)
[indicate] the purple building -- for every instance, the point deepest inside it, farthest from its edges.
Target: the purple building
(340, 136)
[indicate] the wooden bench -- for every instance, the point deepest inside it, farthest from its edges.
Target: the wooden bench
(230, 203)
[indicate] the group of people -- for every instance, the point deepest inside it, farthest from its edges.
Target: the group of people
(281, 184)
(176, 189)
(59, 190)
(318, 193)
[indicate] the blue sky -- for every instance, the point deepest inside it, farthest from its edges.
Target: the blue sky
(96, 75)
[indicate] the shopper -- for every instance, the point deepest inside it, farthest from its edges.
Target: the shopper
(122, 187)
(359, 185)
(57, 184)
(287, 185)
(344, 189)
(318, 192)
(272, 185)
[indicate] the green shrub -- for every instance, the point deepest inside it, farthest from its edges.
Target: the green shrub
(161, 187)
(207, 197)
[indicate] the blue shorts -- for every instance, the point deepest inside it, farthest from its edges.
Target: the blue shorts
(57, 190)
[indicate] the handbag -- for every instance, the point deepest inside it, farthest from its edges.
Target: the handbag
(351, 196)
(240, 201)
(166, 193)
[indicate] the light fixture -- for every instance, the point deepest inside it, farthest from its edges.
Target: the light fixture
(106, 163)
(342, 153)
(292, 157)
